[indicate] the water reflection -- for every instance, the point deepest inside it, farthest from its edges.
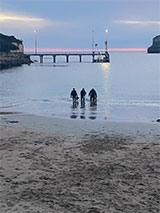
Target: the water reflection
(83, 110)
(93, 110)
(83, 103)
(107, 95)
(105, 66)
(74, 110)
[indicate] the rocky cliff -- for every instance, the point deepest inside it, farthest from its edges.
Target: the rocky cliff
(12, 52)
(10, 44)
(155, 48)
(8, 60)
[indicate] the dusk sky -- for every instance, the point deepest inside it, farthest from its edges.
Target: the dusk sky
(69, 23)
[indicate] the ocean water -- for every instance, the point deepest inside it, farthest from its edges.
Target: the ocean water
(128, 88)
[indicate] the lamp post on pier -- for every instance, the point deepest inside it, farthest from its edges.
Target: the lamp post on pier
(35, 42)
(106, 43)
(106, 33)
(93, 41)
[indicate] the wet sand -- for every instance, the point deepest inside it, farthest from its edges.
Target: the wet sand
(67, 166)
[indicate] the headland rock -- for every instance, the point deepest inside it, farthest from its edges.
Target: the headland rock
(155, 48)
(12, 52)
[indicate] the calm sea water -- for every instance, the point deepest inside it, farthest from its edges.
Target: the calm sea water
(128, 88)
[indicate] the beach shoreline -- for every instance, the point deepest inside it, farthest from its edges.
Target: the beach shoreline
(53, 124)
(71, 166)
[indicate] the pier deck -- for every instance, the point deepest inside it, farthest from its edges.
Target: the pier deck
(67, 55)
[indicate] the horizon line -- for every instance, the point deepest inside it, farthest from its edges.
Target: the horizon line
(85, 50)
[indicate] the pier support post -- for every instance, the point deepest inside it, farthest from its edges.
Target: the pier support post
(67, 58)
(54, 58)
(80, 58)
(41, 58)
(93, 56)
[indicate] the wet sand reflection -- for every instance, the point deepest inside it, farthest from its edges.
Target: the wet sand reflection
(74, 110)
(93, 111)
(83, 110)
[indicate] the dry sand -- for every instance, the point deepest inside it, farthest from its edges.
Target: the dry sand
(62, 166)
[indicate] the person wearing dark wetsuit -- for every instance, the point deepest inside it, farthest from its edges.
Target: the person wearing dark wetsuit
(82, 94)
(74, 95)
(93, 96)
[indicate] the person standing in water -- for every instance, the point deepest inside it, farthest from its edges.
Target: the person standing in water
(82, 94)
(93, 96)
(74, 95)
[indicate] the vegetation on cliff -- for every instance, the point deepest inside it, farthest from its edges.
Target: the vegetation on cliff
(155, 48)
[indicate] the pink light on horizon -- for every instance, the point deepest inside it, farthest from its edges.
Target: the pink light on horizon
(86, 50)
(128, 49)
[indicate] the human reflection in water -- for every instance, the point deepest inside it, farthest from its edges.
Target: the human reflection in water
(74, 110)
(83, 110)
(93, 110)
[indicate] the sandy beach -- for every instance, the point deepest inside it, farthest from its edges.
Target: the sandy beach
(51, 165)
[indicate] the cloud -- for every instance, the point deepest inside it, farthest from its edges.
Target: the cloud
(13, 18)
(137, 22)
(11, 21)
(14, 21)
